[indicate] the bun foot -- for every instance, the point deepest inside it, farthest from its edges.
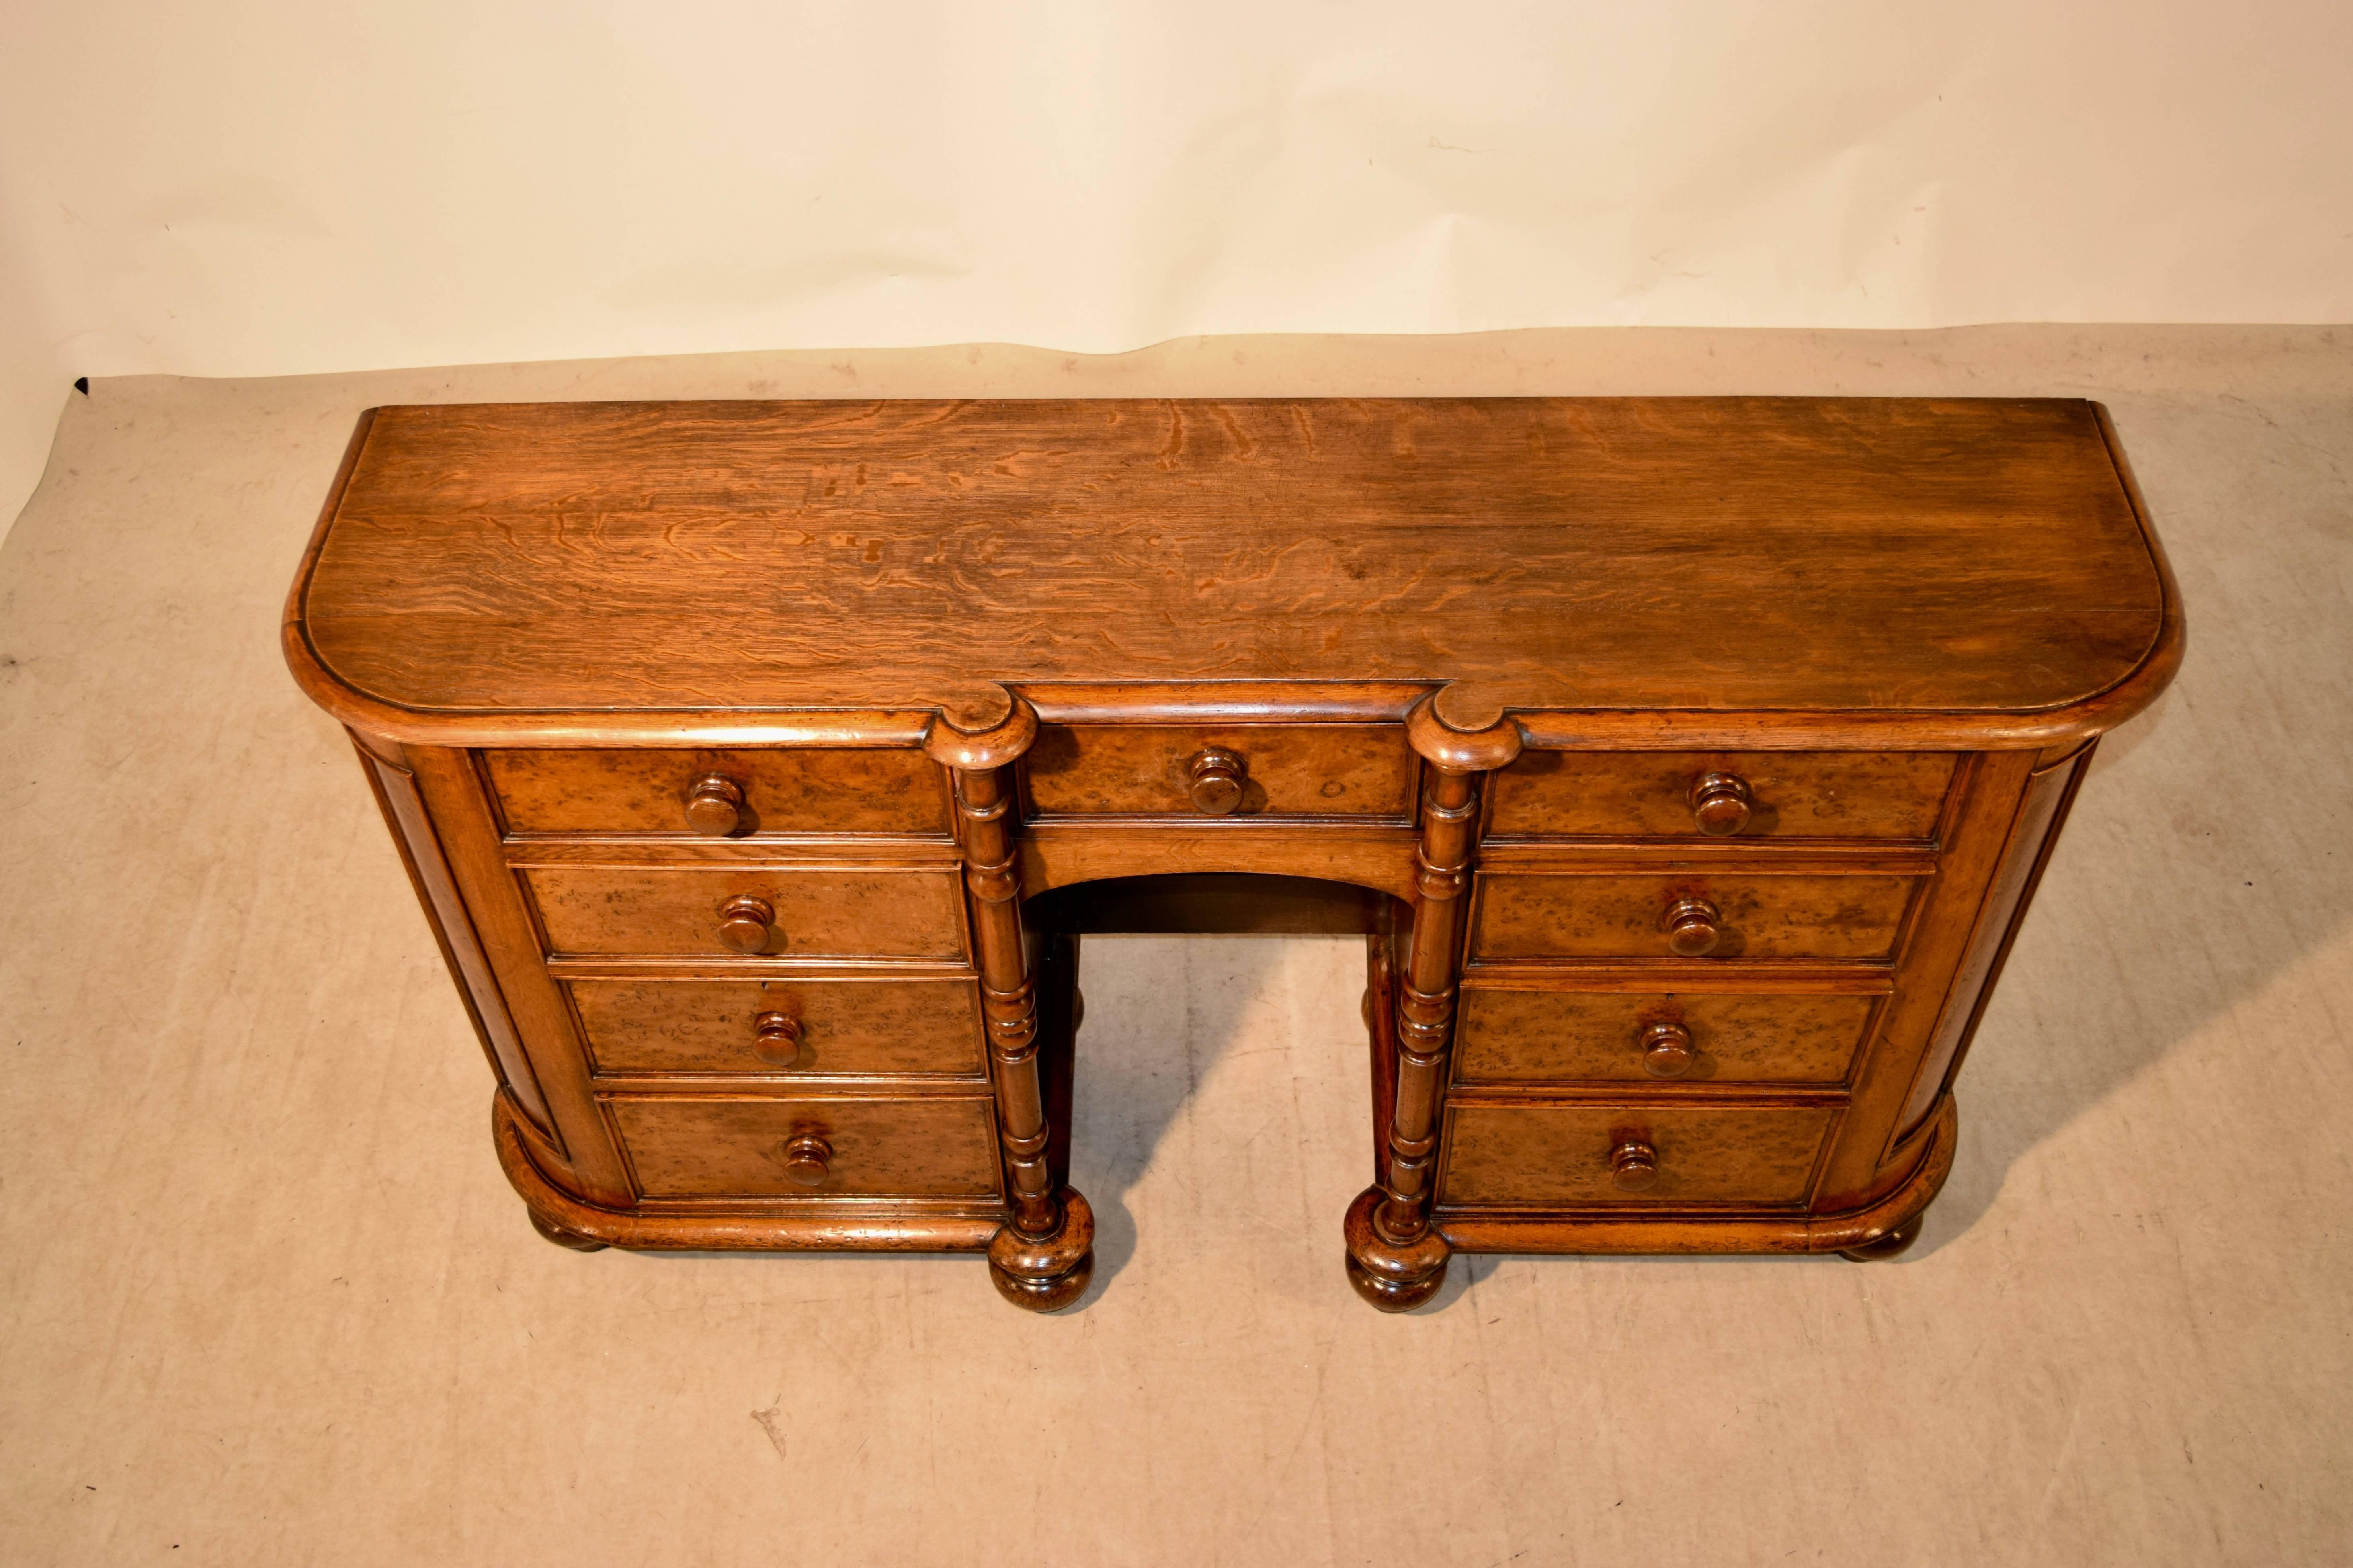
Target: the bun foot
(563, 1237)
(1048, 1273)
(1395, 1276)
(1892, 1244)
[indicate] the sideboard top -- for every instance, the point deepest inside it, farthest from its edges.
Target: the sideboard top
(1954, 571)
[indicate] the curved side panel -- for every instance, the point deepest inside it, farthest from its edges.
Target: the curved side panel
(2049, 793)
(461, 950)
(459, 807)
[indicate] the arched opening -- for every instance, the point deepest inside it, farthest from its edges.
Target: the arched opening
(1205, 903)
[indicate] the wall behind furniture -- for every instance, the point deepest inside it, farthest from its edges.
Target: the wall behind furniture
(259, 188)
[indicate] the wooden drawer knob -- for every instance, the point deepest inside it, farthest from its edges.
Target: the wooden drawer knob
(1216, 775)
(1693, 927)
(1720, 804)
(745, 923)
(808, 1161)
(1634, 1167)
(1667, 1051)
(776, 1039)
(715, 807)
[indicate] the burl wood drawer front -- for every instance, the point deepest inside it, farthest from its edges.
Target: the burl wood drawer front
(1543, 1155)
(882, 1027)
(718, 794)
(1516, 1034)
(683, 1148)
(1725, 794)
(755, 911)
(1748, 916)
(1251, 770)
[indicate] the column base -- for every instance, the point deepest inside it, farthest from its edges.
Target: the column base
(1394, 1277)
(1047, 1274)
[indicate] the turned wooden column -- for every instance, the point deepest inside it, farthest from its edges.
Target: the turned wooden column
(1043, 1257)
(1396, 1260)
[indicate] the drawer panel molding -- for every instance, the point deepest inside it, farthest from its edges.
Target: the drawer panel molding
(805, 1027)
(717, 793)
(1528, 1035)
(1358, 772)
(1722, 795)
(754, 911)
(809, 1147)
(1699, 918)
(1569, 1155)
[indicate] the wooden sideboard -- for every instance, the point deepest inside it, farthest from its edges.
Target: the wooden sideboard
(1687, 764)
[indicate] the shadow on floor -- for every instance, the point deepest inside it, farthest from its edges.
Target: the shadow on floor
(1158, 1021)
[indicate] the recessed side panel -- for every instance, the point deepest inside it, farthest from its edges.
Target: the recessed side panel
(1987, 792)
(461, 950)
(2049, 793)
(452, 789)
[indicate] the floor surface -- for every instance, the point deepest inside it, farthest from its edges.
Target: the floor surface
(267, 1300)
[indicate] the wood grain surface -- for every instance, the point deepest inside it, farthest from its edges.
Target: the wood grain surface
(1059, 853)
(1719, 714)
(1711, 554)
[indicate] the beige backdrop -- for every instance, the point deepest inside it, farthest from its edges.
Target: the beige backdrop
(266, 1298)
(277, 186)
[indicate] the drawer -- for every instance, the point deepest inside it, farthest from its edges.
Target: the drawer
(882, 1027)
(762, 791)
(1750, 916)
(1747, 794)
(1541, 1156)
(693, 911)
(1355, 771)
(1521, 1033)
(683, 1148)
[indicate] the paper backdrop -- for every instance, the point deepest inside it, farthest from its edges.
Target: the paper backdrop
(275, 187)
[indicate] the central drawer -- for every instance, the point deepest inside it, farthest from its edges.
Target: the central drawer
(1742, 915)
(754, 910)
(1360, 771)
(1547, 1155)
(689, 1148)
(875, 1027)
